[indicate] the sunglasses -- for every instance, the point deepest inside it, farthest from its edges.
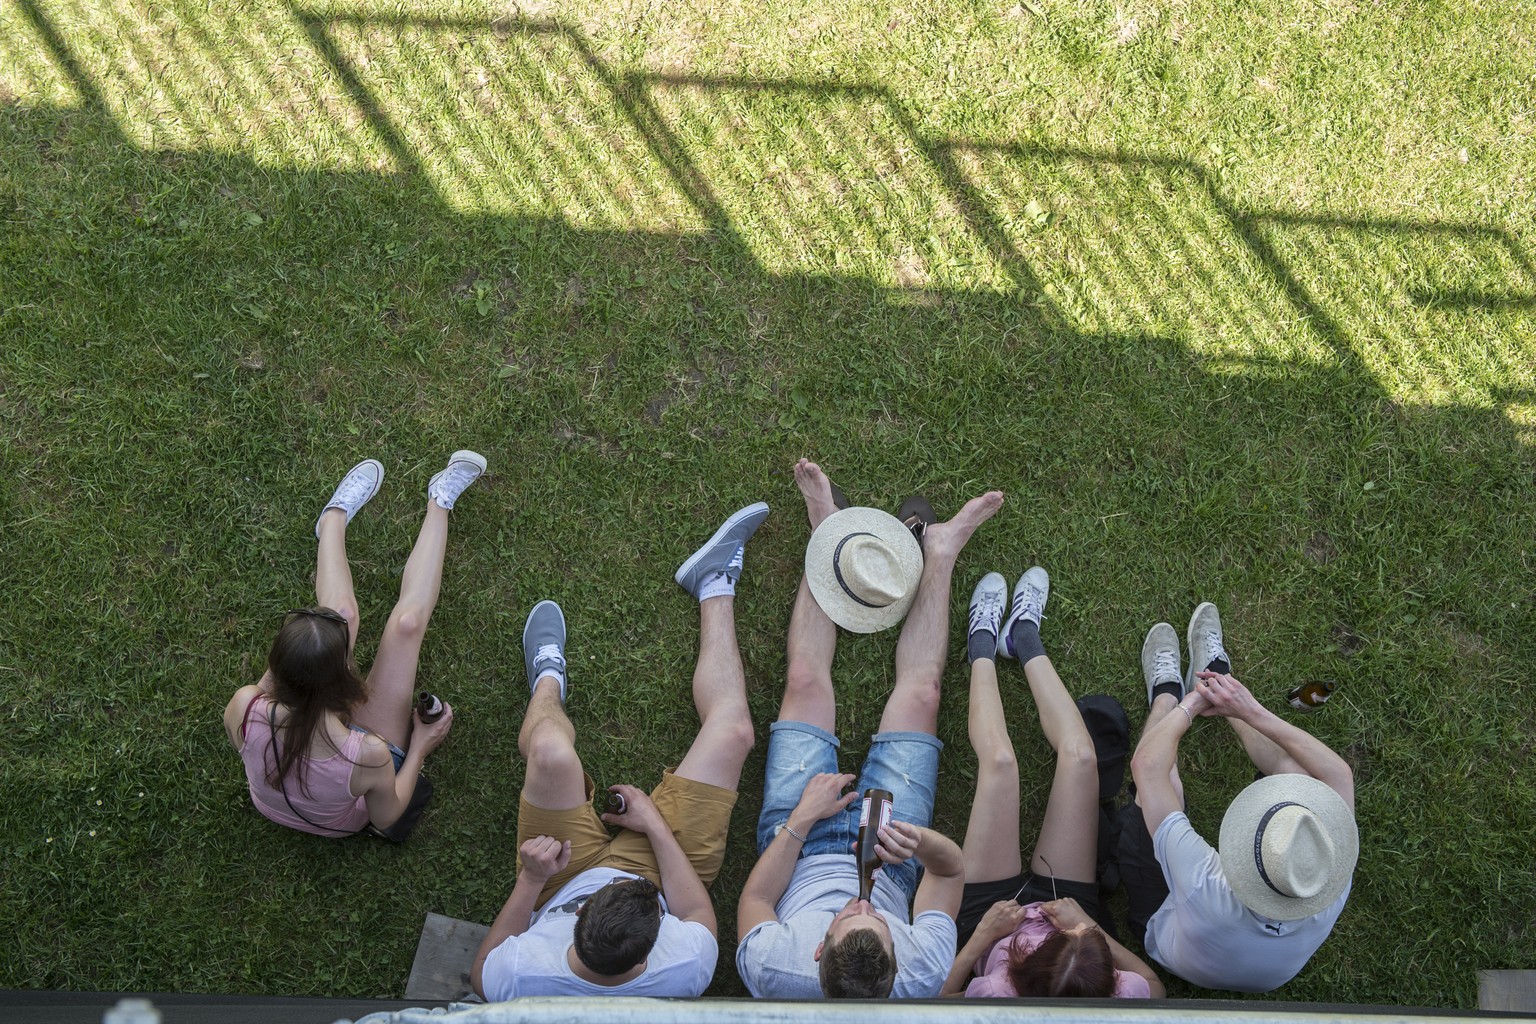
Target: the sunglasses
(574, 906)
(317, 613)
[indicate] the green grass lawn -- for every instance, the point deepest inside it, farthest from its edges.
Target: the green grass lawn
(1234, 301)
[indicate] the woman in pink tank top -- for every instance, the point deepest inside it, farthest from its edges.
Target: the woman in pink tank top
(326, 750)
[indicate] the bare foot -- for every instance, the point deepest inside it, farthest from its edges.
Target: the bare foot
(946, 539)
(813, 483)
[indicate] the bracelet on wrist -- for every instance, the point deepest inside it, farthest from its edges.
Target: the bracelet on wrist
(1187, 713)
(792, 832)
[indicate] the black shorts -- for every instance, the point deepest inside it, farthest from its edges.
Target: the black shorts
(1024, 888)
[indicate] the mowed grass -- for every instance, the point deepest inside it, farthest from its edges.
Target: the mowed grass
(1235, 302)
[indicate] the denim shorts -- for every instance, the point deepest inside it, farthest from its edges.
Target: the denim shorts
(906, 763)
(394, 751)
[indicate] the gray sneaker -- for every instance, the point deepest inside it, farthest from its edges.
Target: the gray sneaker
(360, 484)
(464, 468)
(544, 645)
(987, 602)
(1160, 659)
(1205, 644)
(723, 552)
(1029, 596)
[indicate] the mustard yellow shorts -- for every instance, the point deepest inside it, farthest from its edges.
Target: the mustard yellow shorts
(698, 813)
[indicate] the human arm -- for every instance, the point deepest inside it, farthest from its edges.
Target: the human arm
(1231, 699)
(687, 898)
(387, 792)
(540, 858)
(943, 881)
(823, 797)
(234, 713)
(1066, 914)
(1157, 755)
(1001, 920)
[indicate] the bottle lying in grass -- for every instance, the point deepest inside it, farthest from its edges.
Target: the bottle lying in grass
(1311, 695)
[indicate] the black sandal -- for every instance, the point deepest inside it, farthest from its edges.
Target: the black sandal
(916, 514)
(839, 499)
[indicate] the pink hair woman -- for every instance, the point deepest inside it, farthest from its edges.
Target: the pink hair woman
(327, 750)
(1032, 933)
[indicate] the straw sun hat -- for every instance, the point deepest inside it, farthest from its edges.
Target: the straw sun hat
(863, 567)
(1288, 846)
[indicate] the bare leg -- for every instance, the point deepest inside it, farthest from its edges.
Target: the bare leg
(1069, 834)
(1265, 753)
(392, 680)
(808, 693)
(333, 576)
(556, 780)
(914, 702)
(720, 695)
(992, 835)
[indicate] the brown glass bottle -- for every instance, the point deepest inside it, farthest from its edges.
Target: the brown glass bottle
(616, 803)
(873, 816)
(1311, 695)
(428, 708)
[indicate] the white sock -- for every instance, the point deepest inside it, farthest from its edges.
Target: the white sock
(717, 585)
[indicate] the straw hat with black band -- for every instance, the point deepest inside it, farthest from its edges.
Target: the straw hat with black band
(1288, 846)
(863, 567)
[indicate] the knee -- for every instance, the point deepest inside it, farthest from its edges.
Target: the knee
(803, 681)
(1000, 762)
(549, 750)
(1077, 755)
(923, 696)
(408, 622)
(736, 729)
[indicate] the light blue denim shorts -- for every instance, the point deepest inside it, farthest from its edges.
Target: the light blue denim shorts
(906, 763)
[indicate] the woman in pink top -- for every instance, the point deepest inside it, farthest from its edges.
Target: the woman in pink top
(1028, 933)
(325, 750)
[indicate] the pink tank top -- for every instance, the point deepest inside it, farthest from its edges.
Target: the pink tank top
(324, 798)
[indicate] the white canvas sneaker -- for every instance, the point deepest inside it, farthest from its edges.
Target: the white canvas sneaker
(361, 483)
(1160, 659)
(1029, 596)
(463, 469)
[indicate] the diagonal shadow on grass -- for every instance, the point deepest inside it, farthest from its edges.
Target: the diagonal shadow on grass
(702, 277)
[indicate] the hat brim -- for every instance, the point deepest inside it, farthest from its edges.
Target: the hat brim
(1241, 822)
(840, 607)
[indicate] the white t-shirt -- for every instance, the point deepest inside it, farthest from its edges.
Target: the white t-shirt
(533, 963)
(777, 959)
(1205, 936)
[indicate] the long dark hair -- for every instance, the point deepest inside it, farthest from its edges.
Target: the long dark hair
(312, 673)
(1063, 965)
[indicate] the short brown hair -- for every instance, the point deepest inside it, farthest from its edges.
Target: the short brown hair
(1063, 965)
(858, 967)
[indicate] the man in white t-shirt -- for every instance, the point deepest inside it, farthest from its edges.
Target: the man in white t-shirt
(626, 914)
(802, 931)
(1249, 917)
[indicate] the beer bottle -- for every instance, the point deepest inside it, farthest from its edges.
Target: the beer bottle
(617, 804)
(1311, 695)
(429, 708)
(873, 816)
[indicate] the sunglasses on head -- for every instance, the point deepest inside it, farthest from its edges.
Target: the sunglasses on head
(317, 613)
